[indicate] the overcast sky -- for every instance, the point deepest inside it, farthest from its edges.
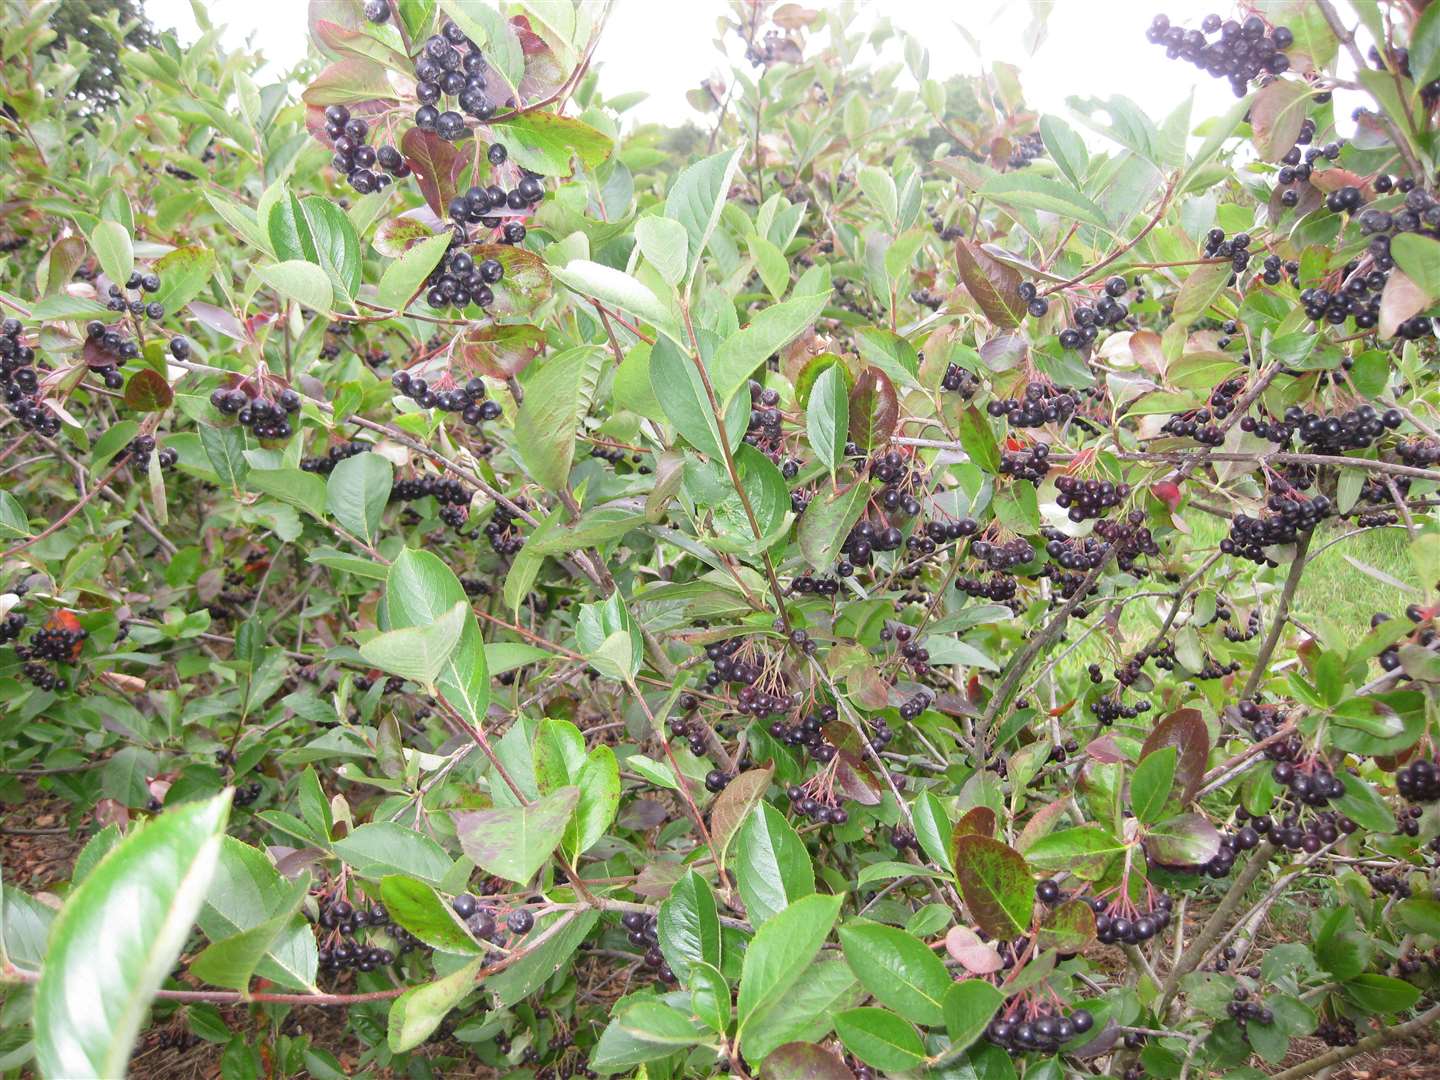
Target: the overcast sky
(665, 47)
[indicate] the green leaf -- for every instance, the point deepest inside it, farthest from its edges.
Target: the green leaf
(1419, 257)
(557, 396)
(678, 386)
(540, 964)
(184, 273)
(379, 848)
(1183, 840)
(769, 331)
(1425, 47)
(117, 937)
(827, 417)
(357, 491)
(225, 450)
(880, 1039)
(1085, 851)
(827, 522)
(418, 590)
(1201, 289)
(1034, 192)
(878, 187)
(710, 996)
(545, 142)
(978, 439)
(111, 243)
(245, 891)
(697, 198)
(13, 521)
(806, 1011)
(302, 489)
(771, 263)
(643, 1029)
(781, 951)
(1066, 148)
(416, 1014)
(599, 783)
(619, 290)
(404, 277)
(1380, 993)
(303, 282)
(232, 961)
(933, 829)
(769, 497)
(1068, 927)
(515, 841)
(289, 229)
(418, 908)
(996, 885)
(337, 245)
(969, 1006)
(610, 638)
(899, 969)
(418, 653)
(1420, 915)
(664, 243)
(1150, 785)
(689, 927)
(772, 867)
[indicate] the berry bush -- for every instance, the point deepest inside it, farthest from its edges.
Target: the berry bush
(880, 582)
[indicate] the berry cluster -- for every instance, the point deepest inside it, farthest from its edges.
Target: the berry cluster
(1337, 1031)
(469, 401)
(1354, 429)
(1129, 538)
(1030, 464)
(1226, 48)
(325, 463)
(1046, 1033)
(1110, 708)
(246, 794)
(1115, 927)
(266, 418)
(1087, 499)
(22, 384)
(138, 450)
(445, 71)
(138, 284)
(1289, 517)
(1000, 587)
(1003, 555)
(502, 532)
(345, 920)
(1243, 1010)
(807, 735)
(1419, 781)
(643, 932)
(1042, 404)
(106, 351)
(366, 168)
(1108, 311)
(959, 380)
(458, 281)
(822, 809)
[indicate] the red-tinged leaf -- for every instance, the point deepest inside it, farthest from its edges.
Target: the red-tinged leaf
(1167, 492)
(1041, 824)
(147, 391)
(994, 286)
(397, 235)
(996, 885)
(965, 946)
(1185, 730)
(1063, 708)
(349, 81)
(500, 351)
(1184, 840)
(1328, 180)
(977, 821)
(1401, 299)
(67, 621)
(733, 805)
(874, 410)
(348, 42)
(1276, 115)
(1068, 928)
(855, 780)
(1105, 750)
(804, 1061)
(432, 159)
(219, 320)
(1004, 352)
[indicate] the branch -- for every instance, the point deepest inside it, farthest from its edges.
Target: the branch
(1365, 1045)
(1277, 625)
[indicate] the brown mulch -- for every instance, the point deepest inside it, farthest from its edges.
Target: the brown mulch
(37, 848)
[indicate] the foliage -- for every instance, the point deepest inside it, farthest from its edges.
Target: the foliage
(864, 586)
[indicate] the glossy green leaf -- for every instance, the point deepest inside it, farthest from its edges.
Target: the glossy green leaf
(897, 968)
(772, 867)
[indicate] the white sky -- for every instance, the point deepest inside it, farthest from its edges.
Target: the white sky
(665, 47)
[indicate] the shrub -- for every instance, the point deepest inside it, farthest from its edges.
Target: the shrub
(867, 586)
